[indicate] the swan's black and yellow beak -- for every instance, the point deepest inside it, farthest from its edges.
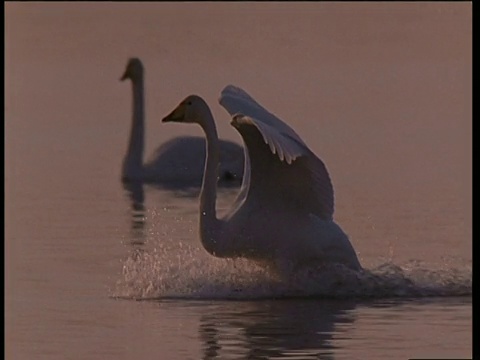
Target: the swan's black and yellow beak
(177, 115)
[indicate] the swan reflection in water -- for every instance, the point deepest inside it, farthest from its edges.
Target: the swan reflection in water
(273, 329)
(136, 195)
(165, 195)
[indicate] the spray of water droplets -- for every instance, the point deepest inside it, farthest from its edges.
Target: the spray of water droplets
(185, 271)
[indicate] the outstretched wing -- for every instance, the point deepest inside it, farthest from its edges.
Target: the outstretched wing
(237, 101)
(283, 171)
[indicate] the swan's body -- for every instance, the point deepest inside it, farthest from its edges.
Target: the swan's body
(180, 161)
(284, 212)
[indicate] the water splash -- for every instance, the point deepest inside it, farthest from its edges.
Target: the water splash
(184, 271)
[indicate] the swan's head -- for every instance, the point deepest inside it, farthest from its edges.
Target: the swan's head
(190, 110)
(134, 70)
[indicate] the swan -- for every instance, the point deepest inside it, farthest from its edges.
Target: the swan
(178, 162)
(283, 215)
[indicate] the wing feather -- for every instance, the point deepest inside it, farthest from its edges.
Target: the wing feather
(295, 176)
(236, 100)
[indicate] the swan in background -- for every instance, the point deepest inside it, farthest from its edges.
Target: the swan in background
(180, 161)
(283, 214)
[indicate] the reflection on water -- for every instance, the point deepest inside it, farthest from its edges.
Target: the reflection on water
(274, 329)
(136, 195)
(431, 328)
(148, 223)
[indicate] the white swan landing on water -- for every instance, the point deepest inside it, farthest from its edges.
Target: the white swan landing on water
(178, 162)
(284, 212)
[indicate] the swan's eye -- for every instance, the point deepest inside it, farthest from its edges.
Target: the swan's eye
(189, 103)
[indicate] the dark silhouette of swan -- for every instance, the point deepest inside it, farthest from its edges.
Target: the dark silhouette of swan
(180, 161)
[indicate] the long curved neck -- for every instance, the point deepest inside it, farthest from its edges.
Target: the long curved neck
(132, 166)
(209, 224)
